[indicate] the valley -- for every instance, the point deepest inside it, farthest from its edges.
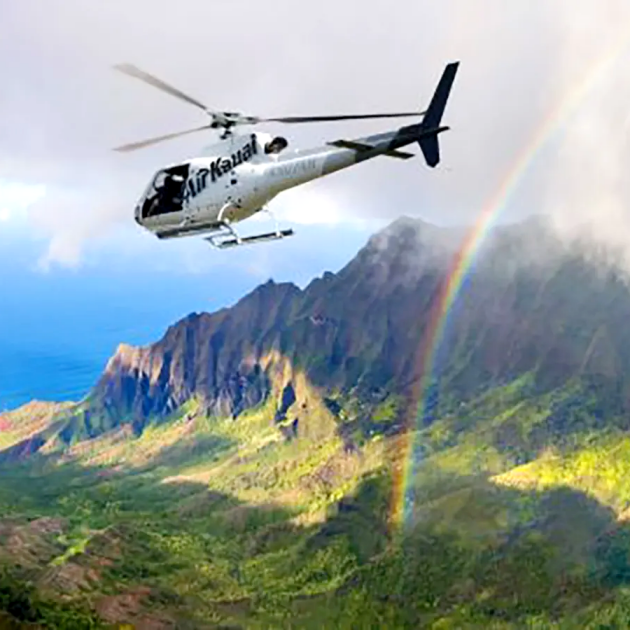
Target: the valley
(288, 462)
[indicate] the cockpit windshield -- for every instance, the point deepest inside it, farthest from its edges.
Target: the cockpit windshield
(167, 191)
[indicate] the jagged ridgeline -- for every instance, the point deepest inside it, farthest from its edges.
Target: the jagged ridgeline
(247, 468)
(362, 331)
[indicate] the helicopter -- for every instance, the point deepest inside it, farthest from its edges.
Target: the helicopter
(240, 175)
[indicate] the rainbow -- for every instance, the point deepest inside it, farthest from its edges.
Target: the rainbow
(425, 375)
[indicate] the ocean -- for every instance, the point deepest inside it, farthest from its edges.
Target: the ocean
(58, 331)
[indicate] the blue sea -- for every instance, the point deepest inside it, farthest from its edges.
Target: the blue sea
(58, 329)
(57, 333)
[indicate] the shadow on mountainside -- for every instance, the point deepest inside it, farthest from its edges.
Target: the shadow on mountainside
(189, 450)
(478, 554)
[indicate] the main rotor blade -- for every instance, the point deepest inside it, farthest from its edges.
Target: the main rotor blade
(133, 71)
(305, 119)
(145, 143)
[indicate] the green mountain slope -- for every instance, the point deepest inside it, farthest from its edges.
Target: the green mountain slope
(240, 471)
(198, 523)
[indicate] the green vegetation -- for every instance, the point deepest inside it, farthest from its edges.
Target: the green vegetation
(516, 519)
(23, 607)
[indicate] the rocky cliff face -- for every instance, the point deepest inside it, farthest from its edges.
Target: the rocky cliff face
(530, 304)
(213, 356)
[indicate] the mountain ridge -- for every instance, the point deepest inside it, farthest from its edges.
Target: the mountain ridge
(244, 469)
(360, 331)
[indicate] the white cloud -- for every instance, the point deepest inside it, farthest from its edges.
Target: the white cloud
(313, 204)
(69, 217)
(16, 198)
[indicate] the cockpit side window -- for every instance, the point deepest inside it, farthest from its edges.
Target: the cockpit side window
(276, 145)
(167, 192)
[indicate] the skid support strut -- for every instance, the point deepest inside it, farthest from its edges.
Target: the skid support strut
(228, 237)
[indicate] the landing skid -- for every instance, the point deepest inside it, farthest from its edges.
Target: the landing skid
(228, 237)
(245, 240)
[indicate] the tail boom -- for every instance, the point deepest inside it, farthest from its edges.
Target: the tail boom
(341, 154)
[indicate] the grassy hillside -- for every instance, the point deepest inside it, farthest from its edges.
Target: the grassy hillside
(265, 522)
(198, 518)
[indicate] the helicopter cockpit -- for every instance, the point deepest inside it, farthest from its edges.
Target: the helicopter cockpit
(166, 192)
(276, 145)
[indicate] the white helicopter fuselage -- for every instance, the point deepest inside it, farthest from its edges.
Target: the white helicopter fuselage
(240, 175)
(236, 179)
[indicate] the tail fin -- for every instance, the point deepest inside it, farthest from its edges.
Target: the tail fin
(430, 126)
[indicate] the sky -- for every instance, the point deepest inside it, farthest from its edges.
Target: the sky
(62, 109)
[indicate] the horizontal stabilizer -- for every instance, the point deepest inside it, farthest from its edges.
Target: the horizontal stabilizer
(360, 147)
(350, 144)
